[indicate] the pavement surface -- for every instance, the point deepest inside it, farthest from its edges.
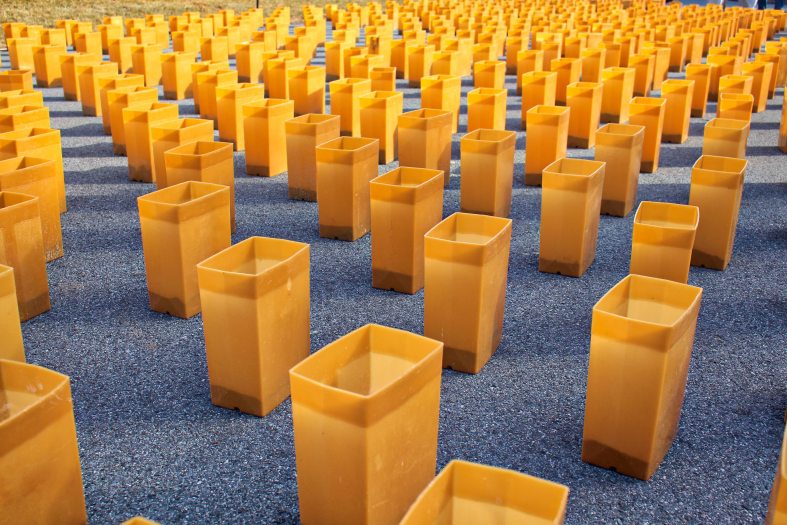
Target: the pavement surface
(151, 443)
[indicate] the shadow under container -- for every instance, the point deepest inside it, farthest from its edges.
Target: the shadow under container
(203, 161)
(619, 146)
(487, 171)
(547, 140)
(584, 100)
(146, 60)
(538, 89)
(379, 114)
(39, 461)
(617, 93)
(649, 113)
(303, 135)
(568, 72)
(20, 52)
(570, 211)
(735, 106)
(197, 78)
(486, 108)
(137, 121)
(255, 312)
(662, 240)
(365, 412)
(47, 65)
(11, 346)
(307, 89)
(176, 74)
(726, 138)
(266, 147)
(230, 100)
(405, 204)
(37, 177)
(88, 78)
(41, 143)
(465, 278)
(181, 226)
(443, 92)
(467, 493)
(173, 133)
(641, 340)
(23, 250)
(777, 506)
(19, 118)
(425, 140)
(716, 189)
(701, 75)
(111, 83)
(119, 100)
(344, 102)
(344, 168)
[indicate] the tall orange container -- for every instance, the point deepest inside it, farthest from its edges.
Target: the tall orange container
(442, 92)
(384, 78)
(568, 72)
(405, 204)
(424, 138)
(538, 88)
(176, 74)
(700, 74)
(307, 89)
(379, 114)
(11, 346)
(207, 84)
(643, 76)
(570, 207)
(716, 189)
(584, 101)
(487, 164)
(486, 108)
(146, 60)
(642, 328)
(378, 389)
(121, 53)
(303, 135)
(419, 64)
(649, 113)
(470, 493)
(465, 287)
(137, 121)
(547, 140)
(662, 240)
(266, 147)
(528, 61)
(118, 100)
(21, 97)
(39, 461)
(107, 84)
(489, 74)
(249, 61)
(181, 226)
(230, 100)
(592, 63)
(344, 168)
(19, 118)
(255, 311)
(215, 49)
(11, 80)
(276, 76)
(37, 177)
(344, 102)
(46, 60)
(735, 106)
(618, 92)
(20, 52)
(41, 143)
(726, 138)
(760, 73)
(620, 147)
(173, 133)
(89, 77)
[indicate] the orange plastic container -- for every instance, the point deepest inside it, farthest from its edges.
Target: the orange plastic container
(146, 60)
(344, 168)
(118, 100)
(21, 97)
(181, 226)
(778, 76)
(255, 311)
(110, 83)
(39, 461)
(760, 73)
(89, 77)
(467, 493)
(186, 41)
(419, 63)
(726, 138)
(735, 106)
(584, 101)
(620, 147)
(649, 113)
(46, 60)
(307, 89)
(137, 121)
(19, 118)
(446, 63)
(487, 164)
(266, 147)
(203, 161)
(405, 204)
(643, 76)
(547, 140)
(377, 388)
(304, 134)
(41, 143)
(37, 177)
(379, 115)
(735, 84)
(726, 65)
(334, 60)
(11, 346)
(489, 74)
(700, 74)
(176, 74)
(442, 92)
(570, 207)
(662, 240)
(466, 273)
(425, 140)
(361, 65)
(215, 49)
(20, 52)
(716, 189)
(592, 63)
(568, 72)
(486, 108)
(120, 52)
(618, 92)
(170, 134)
(644, 328)
(12, 80)
(276, 76)
(383, 78)
(400, 56)
(197, 79)
(248, 61)
(344, 102)
(527, 61)
(230, 100)
(207, 83)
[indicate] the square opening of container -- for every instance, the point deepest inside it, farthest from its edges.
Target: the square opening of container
(649, 299)
(723, 164)
(469, 228)
(578, 167)
(667, 215)
(409, 177)
(8, 199)
(253, 256)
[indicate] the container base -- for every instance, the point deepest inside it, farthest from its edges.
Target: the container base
(53, 84)
(172, 306)
(341, 233)
(262, 171)
(462, 360)
(119, 149)
(34, 307)
(612, 118)
(300, 194)
(579, 142)
(697, 113)
(562, 268)
(229, 399)
(397, 282)
(54, 253)
(107, 130)
(605, 457)
(674, 139)
(533, 179)
(90, 112)
(382, 157)
(616, 208)
(706, 260)
(140, 174)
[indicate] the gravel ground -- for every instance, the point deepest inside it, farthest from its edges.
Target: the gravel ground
(151, 443)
